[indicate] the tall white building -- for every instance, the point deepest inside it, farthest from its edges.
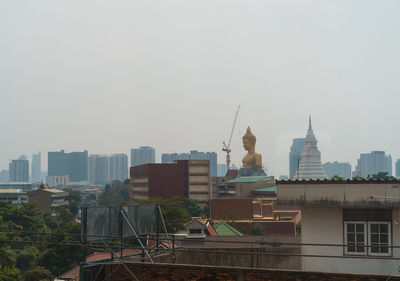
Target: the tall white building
(36, 168)
(104, 169)
(19, 170)
(142, 155)
(370, 164)
(310, 166)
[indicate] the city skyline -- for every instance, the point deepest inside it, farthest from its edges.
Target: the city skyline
(68, 86)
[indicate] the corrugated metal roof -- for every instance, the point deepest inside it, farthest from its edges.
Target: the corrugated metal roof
(224, 229)
(250, 179)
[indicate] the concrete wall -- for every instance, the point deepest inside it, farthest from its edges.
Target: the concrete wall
(324, 225)
(154, 272)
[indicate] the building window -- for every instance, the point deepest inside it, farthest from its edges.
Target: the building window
(379, 238)
(355, 238)
(367, 232)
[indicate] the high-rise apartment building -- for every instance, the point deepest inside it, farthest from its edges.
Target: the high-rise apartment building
(398, 168)
(4, 176)
(142, 155)
(74, 164)
(338, 169)
(372, 163)
(193, 155)
(295, 156)
(36, 168)
(19, 170)
(104, 169)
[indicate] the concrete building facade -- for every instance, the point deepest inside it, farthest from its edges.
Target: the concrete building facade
(194, 155)
(37, 168)
(142, 155)
(183, 178)
(104, 169)
(19, 170)
(353, 222)
(74, 164)
(15, 196)
(338, 169)
(48, 199)
(370, 164)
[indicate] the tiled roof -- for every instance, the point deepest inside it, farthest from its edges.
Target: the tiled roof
(265, 189)
(250, 179)
(210, 229)
(224, 229)
(71, 275)
(333, 181)
(96, 256)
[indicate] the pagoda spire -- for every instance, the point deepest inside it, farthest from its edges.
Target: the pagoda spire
(310, 166)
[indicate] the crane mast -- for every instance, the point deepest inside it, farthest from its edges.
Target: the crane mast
(227, 147)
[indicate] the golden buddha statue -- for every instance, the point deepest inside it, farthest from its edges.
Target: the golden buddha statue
(252, 159)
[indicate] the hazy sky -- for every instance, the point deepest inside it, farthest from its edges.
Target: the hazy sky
(107, 76)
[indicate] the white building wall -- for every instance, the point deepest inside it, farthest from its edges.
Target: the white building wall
(324, 225)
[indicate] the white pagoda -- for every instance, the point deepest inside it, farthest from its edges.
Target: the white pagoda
(310, 166)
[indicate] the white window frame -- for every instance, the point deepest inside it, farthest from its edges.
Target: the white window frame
(389, 253)
(365, 238)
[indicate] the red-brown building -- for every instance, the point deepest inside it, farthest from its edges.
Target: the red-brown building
(184, 178)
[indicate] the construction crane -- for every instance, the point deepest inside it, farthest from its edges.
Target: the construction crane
(227, 147)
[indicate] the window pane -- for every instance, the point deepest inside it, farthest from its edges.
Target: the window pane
(350, 227)
(374, 238)
(384, 238)
(383, 228)
(360, 227)
(360, 238)
(384, 250)
(374, 228)
(360, 249)
(350, 238)
(351, 249)
(374, 249)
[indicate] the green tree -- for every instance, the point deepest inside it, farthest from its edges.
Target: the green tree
(174, 213)
(74, 198)
(38, 274)
(9, 273)
(336, 177)
(382, 176)
(191, 207)
(115, 195)
(26, 259)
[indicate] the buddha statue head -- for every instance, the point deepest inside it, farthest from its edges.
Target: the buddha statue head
(252, 158)
(249, 141)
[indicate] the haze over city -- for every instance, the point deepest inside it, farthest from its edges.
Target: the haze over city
(108, 77)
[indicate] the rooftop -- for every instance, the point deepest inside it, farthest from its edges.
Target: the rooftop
(9, 190)
(250, 179)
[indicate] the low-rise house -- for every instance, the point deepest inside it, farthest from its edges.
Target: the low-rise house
(353, 224)
(15, 196)
(248, 214)
(48, 199)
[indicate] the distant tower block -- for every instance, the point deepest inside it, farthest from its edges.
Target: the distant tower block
(310, 165)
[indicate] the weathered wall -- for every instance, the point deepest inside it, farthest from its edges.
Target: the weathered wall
(155, 272)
